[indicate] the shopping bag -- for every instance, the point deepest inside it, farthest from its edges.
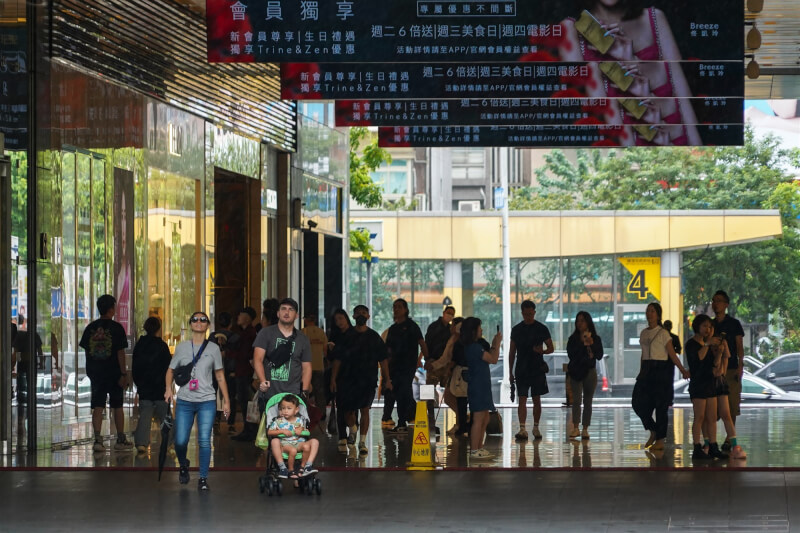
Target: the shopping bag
(253, 414)
(261, 436)
(495, 425)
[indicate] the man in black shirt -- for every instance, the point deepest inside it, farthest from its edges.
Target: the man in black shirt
(727, 326)
(357, 370)
(105, 341)
(436, 337)
(676, 341)
(530, 341)
(403, 342)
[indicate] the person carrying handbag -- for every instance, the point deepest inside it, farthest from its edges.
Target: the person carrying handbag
(197, 397)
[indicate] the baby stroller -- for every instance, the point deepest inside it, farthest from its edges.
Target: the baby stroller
(269, 481)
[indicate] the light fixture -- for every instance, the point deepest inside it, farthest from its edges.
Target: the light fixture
(755, 6)
(753, 39)
(752, 69)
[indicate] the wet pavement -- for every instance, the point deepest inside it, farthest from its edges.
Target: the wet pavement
(769, 435)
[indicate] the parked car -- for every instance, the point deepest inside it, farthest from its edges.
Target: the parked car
(754, 389)
(783, 372)
(752, 364)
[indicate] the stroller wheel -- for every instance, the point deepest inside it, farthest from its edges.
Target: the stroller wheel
(318, 486)
(262, 485)
(278, 488)
(309, 488)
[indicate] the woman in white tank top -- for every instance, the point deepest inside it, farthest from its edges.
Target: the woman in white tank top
(654, 384)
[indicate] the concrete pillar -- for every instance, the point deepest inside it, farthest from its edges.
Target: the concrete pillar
(671, 298)
(453, 285)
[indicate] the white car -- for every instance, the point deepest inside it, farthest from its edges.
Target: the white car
(754, 389)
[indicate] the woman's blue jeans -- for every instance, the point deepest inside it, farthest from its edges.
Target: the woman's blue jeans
(184, 419)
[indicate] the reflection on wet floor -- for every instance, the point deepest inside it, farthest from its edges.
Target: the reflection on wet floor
(768, 435)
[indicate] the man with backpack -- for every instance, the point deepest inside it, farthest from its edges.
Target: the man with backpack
(105, 341)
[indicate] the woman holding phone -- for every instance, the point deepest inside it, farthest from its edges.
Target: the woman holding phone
(584, 349)
(197, 398)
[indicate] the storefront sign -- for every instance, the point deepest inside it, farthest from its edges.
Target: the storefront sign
(514, 111)
(274, 31)
(558, 136)
(331, 81)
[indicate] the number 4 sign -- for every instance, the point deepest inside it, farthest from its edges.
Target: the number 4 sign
(645, 276)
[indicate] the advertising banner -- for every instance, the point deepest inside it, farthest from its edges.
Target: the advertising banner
(123, 250)
(562, 136)
(538, 111)
(273, 31)
(332, 81)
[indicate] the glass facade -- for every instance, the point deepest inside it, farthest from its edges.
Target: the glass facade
(560, 287)
(125, 204)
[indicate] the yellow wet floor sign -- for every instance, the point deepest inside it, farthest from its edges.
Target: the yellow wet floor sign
(421, 457)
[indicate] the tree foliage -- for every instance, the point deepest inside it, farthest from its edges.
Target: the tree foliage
(762, 279)
(363, 162)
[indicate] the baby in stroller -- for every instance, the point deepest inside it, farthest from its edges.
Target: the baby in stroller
(289, 437)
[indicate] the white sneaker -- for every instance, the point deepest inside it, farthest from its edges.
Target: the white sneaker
(481, 453)
(536, 433)
(585, 433)
(575, 433)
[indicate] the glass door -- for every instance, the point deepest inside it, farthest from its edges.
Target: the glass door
(84, 271)
(628, 324)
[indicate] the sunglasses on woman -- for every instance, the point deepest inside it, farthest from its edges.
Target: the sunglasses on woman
(199, 319)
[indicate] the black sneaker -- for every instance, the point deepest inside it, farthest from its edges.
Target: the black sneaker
(713, 451)
(183, 475)
(283, 472)
(698, 454)
(726, 446)
(308, 470)
(399, 430)
(202, 484)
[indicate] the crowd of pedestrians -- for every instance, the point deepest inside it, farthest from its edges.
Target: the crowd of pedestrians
(242, 363)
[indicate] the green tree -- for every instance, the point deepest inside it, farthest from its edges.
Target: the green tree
(763, 278)
(364, 161)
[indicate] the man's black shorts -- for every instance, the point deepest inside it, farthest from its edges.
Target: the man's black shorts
(535, 385)
(106, 388)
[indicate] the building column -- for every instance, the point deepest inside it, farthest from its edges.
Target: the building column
(671, 298)
(453, 285)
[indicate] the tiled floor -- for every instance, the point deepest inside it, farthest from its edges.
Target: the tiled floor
(771, 437)
(451, 501)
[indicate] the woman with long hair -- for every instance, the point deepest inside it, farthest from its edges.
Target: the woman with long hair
(197, 398)
(584, 349)
(479, 392)
(654, 384)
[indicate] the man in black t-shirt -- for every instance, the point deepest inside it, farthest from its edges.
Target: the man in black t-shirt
(530, 341)
(734, 336)
(436, 337)
(356, 370)
(403, 343)
(105, 341)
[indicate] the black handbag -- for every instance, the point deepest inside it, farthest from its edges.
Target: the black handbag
(183, 373)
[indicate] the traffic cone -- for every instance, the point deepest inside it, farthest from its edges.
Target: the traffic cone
(605, 384)
(421, 455)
